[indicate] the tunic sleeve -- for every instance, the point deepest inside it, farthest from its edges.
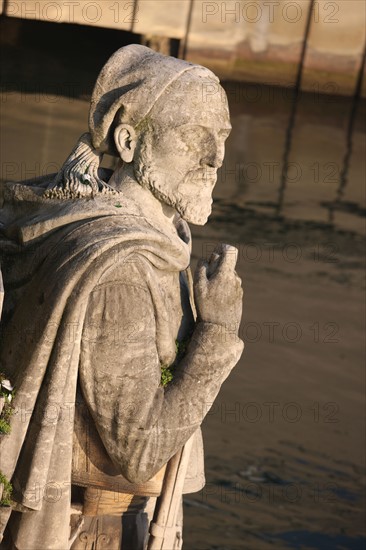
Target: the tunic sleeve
(142, 425)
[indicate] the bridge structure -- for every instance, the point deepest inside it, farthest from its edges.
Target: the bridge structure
(248, 40)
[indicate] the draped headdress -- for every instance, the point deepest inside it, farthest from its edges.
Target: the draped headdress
(127, 88)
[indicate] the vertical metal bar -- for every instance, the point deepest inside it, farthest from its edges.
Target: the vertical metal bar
(5, 7)
(291, 122)
(343, 178)
(1, 293)
(183, 49)
(134, 12)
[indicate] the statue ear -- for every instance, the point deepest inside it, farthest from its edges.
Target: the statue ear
(125, 140)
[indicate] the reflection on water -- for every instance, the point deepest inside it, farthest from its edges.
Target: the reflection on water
(251, 174)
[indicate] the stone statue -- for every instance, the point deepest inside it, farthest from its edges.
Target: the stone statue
(115, 354)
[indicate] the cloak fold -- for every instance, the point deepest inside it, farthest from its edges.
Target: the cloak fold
(53, 253)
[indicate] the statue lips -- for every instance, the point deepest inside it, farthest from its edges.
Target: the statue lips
(205, 176)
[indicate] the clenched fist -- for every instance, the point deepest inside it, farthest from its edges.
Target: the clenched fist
(217, 288)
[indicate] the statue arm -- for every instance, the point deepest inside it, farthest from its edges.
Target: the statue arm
(141, 424)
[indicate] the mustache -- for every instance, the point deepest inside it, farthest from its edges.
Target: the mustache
(204, 174)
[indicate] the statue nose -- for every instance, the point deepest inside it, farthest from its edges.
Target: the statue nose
(216, 156)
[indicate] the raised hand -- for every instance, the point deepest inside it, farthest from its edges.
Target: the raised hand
(217, 288)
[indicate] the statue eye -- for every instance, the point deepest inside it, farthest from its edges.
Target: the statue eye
(191, 134)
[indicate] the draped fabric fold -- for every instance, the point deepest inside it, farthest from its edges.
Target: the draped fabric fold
(66, 247)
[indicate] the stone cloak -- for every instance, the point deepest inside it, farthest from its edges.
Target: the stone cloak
(67, 246)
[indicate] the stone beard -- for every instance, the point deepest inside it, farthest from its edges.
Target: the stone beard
(196, 210)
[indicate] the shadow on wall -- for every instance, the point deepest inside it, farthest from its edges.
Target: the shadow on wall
(38, 56)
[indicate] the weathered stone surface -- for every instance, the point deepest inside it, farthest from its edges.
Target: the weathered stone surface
(99, 300)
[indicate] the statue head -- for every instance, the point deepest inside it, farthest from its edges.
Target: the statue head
(177, 150)
(168, 120)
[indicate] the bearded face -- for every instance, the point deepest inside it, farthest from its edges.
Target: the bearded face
(190, 194)
(179, 164)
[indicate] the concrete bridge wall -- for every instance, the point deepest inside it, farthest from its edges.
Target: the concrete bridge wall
(247, 40)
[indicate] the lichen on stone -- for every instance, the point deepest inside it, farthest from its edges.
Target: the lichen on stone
(7, 491)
